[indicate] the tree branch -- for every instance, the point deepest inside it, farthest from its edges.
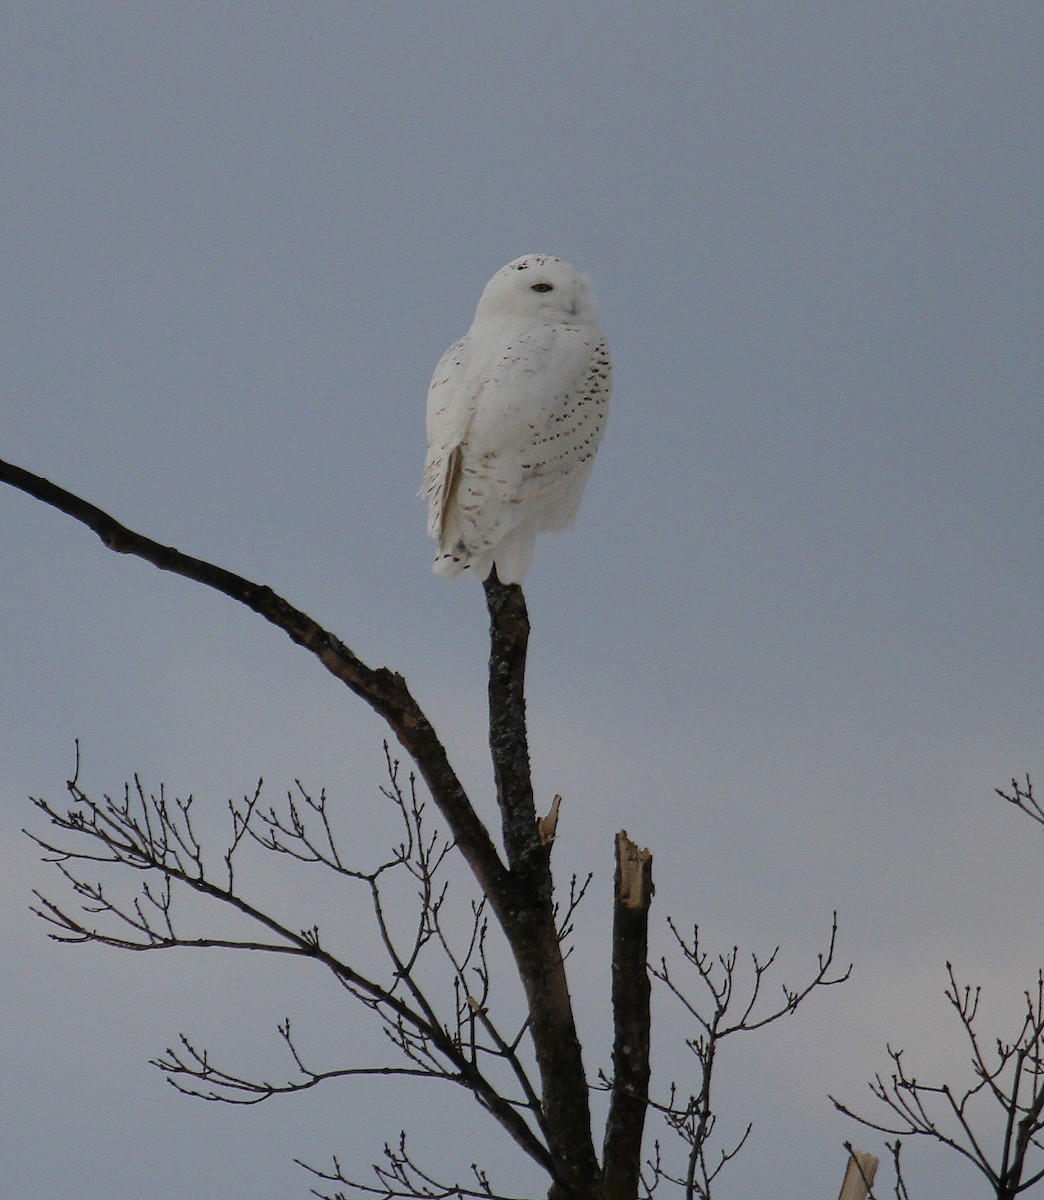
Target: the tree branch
(529, 921)
(385, 691)
(195, 1065)
(508, 737)
(631, 990)
(695, 1119)
(400, 1178)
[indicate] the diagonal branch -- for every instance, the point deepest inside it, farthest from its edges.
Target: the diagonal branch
(192, 1072)
(385, 691)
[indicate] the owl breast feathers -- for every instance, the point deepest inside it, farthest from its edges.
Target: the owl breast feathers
(516, 410)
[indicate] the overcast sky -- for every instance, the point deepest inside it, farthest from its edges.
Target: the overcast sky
(792, 644)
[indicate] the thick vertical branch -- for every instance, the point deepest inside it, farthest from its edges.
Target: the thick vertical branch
(508, 739)
(530, 922)
(631, 1021)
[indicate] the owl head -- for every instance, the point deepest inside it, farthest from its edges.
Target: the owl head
(538, 286)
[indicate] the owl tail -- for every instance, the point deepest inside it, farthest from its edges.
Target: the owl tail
(513, 557)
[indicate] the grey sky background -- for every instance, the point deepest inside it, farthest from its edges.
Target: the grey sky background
(792, 644)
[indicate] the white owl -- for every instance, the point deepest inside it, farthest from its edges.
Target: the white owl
(516, 410)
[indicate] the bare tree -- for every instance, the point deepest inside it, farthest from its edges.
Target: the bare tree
(1007, 1082)
(446, 1015)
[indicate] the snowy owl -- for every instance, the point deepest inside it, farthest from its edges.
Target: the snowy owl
(516, 410)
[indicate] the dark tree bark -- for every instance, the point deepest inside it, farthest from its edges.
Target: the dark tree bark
(622, 1152)
(530, 919)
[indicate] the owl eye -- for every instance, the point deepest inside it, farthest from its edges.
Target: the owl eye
(543, 287)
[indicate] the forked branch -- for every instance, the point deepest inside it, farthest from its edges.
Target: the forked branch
(1023, 799)
(398, 1177)
(722, 1010)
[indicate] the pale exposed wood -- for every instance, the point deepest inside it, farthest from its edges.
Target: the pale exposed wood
(633, 881)
(546, 826)
(859, 1176)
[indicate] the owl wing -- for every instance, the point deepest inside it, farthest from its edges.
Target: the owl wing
(451, 405)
